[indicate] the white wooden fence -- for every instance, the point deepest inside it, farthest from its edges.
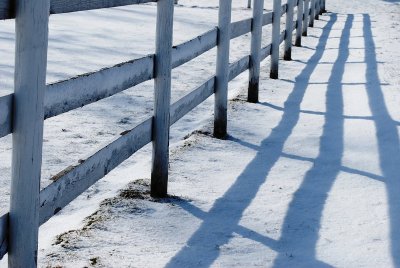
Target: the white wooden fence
(23, 112)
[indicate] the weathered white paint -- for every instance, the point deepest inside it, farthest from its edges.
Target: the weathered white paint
(31, 26)
(187, 103)
(74, 180)
(162, 97)
(289, 28)
(239, 28)
(66, 6)
(276, 22)
(222, 72)
(265, 52)
(299, 25)
(238, 67)
(76, 92)
(267, 18)
(255, 59)
(193, 48)
(306, 16)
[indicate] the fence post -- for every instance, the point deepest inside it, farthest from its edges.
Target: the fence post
(319, 7)
(276, 23)
(31, 27)
(299, 27)
(312, 13)
(162, 98)
(317, 2)
(221, 87)
(256, 36)
(306, 15)
(289, 30)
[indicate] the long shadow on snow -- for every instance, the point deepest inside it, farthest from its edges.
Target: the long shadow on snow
(388, 139)
(223, 218)
(301, 226)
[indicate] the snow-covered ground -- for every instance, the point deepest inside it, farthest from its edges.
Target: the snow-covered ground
(309, 177)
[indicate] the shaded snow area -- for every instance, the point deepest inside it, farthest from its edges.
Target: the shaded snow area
(308, 177)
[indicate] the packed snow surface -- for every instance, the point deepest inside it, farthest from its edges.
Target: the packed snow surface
(308, 177)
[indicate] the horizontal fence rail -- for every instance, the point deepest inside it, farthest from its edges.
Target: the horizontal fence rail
(7, 8)
(70, 94)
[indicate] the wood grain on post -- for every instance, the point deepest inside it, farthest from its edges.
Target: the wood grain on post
(255, 58)
(306, 16)
(299, 26)
(312, 13)
(162, 98)
(289, 29)
(31, 26)
(276, 23)
(221, 87)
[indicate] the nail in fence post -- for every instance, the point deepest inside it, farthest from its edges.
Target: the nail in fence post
(221, 89)
(162, 98)
(312, 13)
(289, 30)
(256, 36)
(306, 15)
(299, 27)
(276, 23)
(31, 27)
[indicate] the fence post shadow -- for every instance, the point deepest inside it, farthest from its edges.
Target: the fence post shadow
(224, 216)
(387, 138)
(307, 205)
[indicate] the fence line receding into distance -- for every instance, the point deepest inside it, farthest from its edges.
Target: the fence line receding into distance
(23, 112)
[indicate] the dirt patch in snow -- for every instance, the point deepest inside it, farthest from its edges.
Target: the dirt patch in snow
(129, 200)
